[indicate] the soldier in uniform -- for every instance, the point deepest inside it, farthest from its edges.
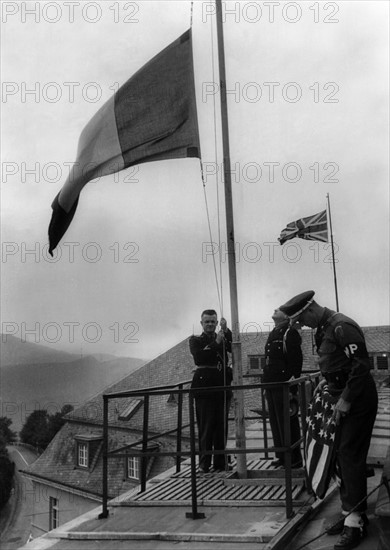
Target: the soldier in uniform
(344, 363)
(210, 353)
(283, 361)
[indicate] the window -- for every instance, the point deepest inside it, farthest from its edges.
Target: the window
(82, 454)
(133, 464)
(53, 513)
(256, 363)
(133, 467)
(371, 359)
(382, 362)
(88, 446)
(129, 409)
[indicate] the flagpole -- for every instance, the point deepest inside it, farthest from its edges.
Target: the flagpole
(236, 344)
(333, 260)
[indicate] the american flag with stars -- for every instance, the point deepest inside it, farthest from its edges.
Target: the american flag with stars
(320, 441)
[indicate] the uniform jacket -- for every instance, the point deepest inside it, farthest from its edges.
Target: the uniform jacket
(208, 353)
(283, 354)
(343, 357)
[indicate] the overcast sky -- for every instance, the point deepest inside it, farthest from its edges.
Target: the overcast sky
(308, 115)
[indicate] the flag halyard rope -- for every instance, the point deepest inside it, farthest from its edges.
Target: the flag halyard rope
(211, 236)
(218, 282)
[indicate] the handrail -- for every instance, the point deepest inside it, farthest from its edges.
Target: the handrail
(129, 393)
(178, 388)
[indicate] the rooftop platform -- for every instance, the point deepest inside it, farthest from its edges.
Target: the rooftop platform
(248, 512)
(238, 514)
(228, 526)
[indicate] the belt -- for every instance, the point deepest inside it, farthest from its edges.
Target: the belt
(219, 366)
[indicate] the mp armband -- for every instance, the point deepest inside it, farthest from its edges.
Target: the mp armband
(356, 349)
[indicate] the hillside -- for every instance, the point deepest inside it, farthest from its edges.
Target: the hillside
(17, 352)
(40, 383)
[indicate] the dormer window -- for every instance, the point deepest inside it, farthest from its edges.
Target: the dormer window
(134, 463)
(87, 450)
(133, 467)
(82, 454)
(173, 399)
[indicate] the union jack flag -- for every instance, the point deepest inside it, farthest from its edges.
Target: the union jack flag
(312, 228)
(320, 442)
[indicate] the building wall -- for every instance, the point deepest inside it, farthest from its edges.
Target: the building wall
(70, 506)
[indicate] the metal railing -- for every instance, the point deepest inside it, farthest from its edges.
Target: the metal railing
(180, 390)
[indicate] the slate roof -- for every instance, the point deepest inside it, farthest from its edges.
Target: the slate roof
(57, 463)
(176, 365)
(377, 339)
(171, 367)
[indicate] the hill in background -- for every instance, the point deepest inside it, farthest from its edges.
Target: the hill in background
(17, 352)
(36, 377)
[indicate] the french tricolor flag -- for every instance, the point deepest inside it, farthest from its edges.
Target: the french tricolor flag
(151, 117)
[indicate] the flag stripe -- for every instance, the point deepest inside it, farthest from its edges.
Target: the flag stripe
(318, 465)
(320, 442)
(99, 154)
(310, 463)
(147, 102)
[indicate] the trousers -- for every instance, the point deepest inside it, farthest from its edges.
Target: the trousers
(276, 419)
(354, 439)
(211, 417)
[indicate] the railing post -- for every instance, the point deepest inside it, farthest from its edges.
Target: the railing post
(265, 435)
(144, 443)
(287, 452)
(303, 407)
(194, 514)
(179, 427)
(104, 512)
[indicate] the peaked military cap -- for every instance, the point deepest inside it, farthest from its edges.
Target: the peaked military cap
(298, 304)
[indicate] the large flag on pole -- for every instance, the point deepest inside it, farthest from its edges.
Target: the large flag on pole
(312, 228)
(320, 442)
(151, 117)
